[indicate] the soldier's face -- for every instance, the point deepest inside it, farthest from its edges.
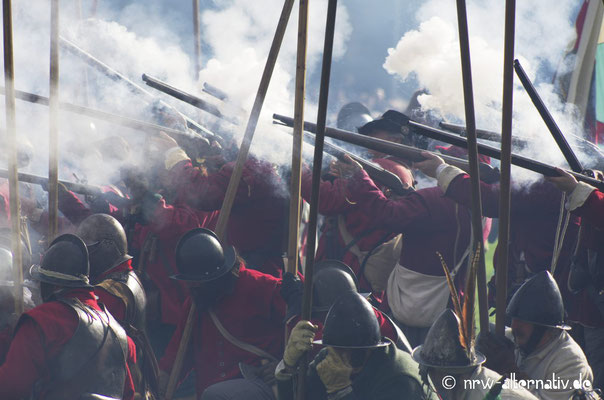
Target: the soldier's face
(522, 332)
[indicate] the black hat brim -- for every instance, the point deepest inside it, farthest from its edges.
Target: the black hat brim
(35, 273)
(416, 355)
(230, 259)
(380, 125)
(381, 343)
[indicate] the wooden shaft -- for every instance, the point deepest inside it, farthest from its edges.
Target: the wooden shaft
(297, 140)
(11, 133)
(466, 70)
(53, 143)
(231, 191)
(316, 179)
(505, 167)
(196, 38)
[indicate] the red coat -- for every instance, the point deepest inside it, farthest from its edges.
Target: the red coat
(334, 201)
(254, 313)
(168, 224)
(427, 220)
(593, 209)
(256, 224)
(39, 339)
(533, 219)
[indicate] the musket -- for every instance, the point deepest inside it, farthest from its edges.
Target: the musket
(517, 160)
(568, 153)
(119, 77)
(587, 147)
(128, 122)
(195, 101)
(215, 92)
(482, 134)
(487, 173)
(89, 190)
(376, 172)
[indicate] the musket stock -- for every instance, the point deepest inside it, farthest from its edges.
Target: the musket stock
(487, 173)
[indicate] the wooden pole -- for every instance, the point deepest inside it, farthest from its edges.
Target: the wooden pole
(53, 153)
(231, 191)
(296, 172)
(506, 165)
(11, 133)
(196, 38)
(477, 245)
(316, 178)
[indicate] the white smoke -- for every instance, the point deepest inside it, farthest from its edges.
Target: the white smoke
(431, 55)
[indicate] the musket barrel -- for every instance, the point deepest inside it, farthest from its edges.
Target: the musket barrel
(487, 173)
(90, 190)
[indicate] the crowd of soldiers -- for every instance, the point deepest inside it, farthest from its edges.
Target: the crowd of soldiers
(108, 301)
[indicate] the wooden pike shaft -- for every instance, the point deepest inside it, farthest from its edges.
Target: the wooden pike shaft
(196, 38)
(316, 178)
(11, 133)
(231, 191)
(296, 172)
(466, 69)
(53, 151)
(506, 165)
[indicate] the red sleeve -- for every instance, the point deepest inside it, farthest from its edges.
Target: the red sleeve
(593, 209)
(393, 215)
(72, 208)
(113, 303)
(167, 361)
(332, 195)
(386, 327)
(25, 362)
(171, 221)
(129, 391)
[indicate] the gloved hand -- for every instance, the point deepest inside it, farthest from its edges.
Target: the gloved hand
(429, 165)
(266, 372)
(300, 341)
(334, 371)
(292, 291)
(499, 352)
(345, 168)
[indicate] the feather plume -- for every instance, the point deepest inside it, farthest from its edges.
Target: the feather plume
(467, 315)
(454, 296)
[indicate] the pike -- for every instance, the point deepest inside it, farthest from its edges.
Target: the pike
(11, 130)
(215, 92)
(568, 153)
(195, 101)
(231, 190)
(53, 124)
(517, 160)
(488, 173)
(119, 77)
(468, 94)
(316, 181)
(88, 190)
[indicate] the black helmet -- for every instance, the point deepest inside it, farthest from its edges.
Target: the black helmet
(351, 323)
(330, 280)
(443, 349)
(106, 242)
(539, 302)
(352, 116)
(201, 258)
(391, 121)
(65, 263)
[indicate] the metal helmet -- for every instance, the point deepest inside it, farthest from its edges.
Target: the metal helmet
(352, 116)
(443, 349)
(201, 258)
(330, 280)
(351, 323)
(65, 263)
(6, 267)
(106, 241)
(539, 302)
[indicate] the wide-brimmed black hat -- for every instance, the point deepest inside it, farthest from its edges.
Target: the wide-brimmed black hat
(200, 257)
(391, 121)
(65, 263)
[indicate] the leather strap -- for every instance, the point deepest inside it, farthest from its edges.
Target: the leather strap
(238, 343)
